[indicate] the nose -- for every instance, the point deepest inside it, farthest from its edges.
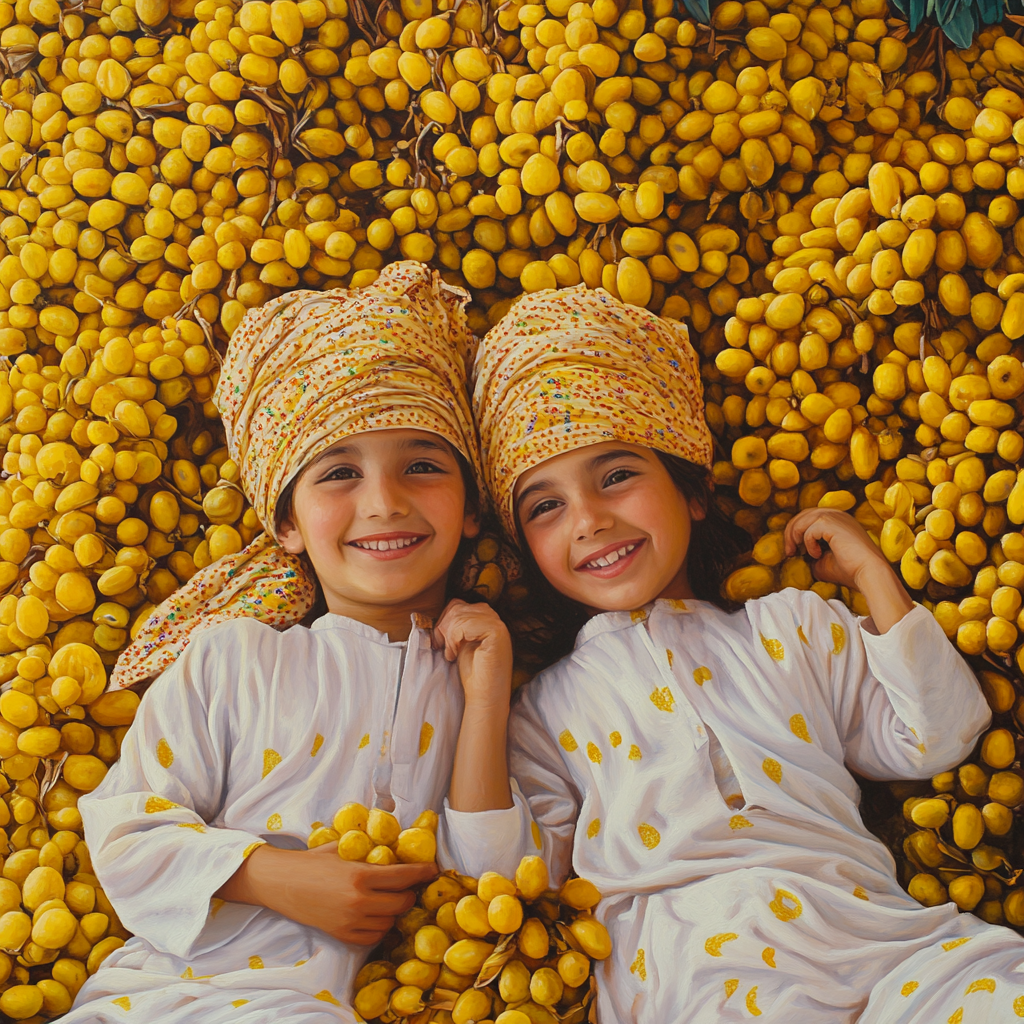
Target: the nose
(590, 519)
(382, 497)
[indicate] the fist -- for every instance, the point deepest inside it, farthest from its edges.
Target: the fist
(842, 551)
(475, 637)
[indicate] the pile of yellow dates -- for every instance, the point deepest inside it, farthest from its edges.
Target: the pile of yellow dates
(829, 202)
(489, 950)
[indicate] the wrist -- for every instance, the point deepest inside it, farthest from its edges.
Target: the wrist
(489, 707)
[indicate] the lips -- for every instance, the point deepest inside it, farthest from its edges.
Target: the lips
(612, 560)
(387, 546)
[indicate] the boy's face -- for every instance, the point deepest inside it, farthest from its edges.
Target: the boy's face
(381, 515)
(607, 526)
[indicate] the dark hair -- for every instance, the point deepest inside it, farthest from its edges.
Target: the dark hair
(285, 507)
(548, 630)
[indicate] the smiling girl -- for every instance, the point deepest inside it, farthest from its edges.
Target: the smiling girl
(348, 416)
(694, 761)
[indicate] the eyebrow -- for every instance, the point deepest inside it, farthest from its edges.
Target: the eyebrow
(418, 443)
(596, 462)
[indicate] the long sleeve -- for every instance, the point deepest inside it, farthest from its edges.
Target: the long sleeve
(906, 704)
(147, 824)
(546, 804)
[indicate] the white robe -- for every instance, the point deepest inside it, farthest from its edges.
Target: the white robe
(256, 736)
(691, 763)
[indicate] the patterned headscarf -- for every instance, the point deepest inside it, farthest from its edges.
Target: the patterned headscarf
(573, 367)
(301, 373)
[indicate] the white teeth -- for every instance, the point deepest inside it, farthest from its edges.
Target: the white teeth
(611, 558)
(385, 545)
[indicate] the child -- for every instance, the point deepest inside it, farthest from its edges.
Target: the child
(692, 761)
(348, 416)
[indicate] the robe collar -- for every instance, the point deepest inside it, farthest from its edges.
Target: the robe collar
(609, 622)
(421, 624)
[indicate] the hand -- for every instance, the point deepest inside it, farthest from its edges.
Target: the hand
(851, 560)
(475, 636)
(353, 902)
(848, 555)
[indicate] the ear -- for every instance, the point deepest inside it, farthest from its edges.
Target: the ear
(290, 538)
(471, 524)
(697, 509)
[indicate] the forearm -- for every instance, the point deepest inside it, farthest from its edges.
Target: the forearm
(887, 599)
(262, 879)
(480, 774)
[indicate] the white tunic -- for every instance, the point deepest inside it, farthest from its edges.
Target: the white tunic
(691, 763)
(255, 736)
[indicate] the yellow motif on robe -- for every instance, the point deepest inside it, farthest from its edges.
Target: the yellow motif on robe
(426, 735)
(638, 616)
(238, 1002)
(365, 741)
(701, 675)
(634, 753)
(639, 965)
(798, 727)
(249, 849)
(774, 648)
(981, 985)
(671, 657)
(781, 910)
(730, 986)
(953, 943)
(326, 997)
(124, 1002)
(216, 902)
(274, 823)
(593, 828)
(271, 759)
(957, 1016)
(752, 1002)
(164, 754)
(594, 753)
(838, 638)
(663, 700)
(910, 988)
(159, 803)
(649, 835)
(196, 825)
(860, 892)
(772, 769)
(615, 738)
(535, 832)
(567, 740)
(803, 637)
(768, 956)
(713, 946)
(738, 821)
(1018, 1006)
(256, 963)
(317, 744)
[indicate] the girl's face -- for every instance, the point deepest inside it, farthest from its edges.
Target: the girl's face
(607, 526)
(381, 515)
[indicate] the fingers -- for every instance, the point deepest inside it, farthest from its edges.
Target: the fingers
(390, 904)
(463, 623)
(396, 877)
(362, 937)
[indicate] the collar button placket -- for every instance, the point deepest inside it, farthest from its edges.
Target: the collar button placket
(382, 771)
(670, 696)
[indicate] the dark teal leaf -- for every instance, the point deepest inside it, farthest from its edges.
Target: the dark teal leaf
(960, 28)
(990, 12)
(700, 10)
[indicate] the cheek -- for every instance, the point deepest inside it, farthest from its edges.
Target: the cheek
(549, 552)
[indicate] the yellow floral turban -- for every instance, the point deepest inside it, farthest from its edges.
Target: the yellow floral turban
(301, 373)
(572, 367)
